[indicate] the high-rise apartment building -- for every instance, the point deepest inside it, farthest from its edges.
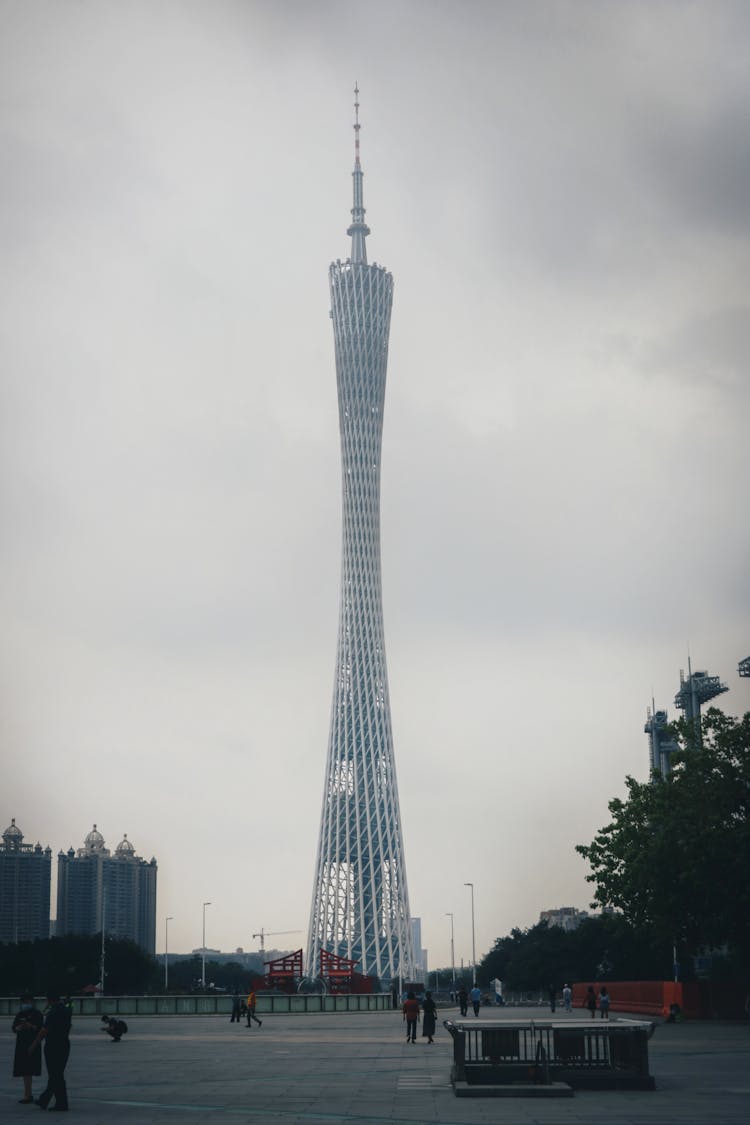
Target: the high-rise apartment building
(566, 917)
(96, 889)
(360, 903)
(421, 962)
(24, 888)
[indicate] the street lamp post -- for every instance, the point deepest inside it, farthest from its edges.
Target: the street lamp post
(448, 914)
(166, 951)
(203, 947)
(473, 943)
(104, 920)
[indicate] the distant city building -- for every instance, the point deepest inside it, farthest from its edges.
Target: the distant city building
(744, 667)
(24, 888)
(416, 933)
(420, 955)
(566, 917)
(253, 961)
(95, 888)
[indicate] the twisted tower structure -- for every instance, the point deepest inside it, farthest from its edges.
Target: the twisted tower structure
(360, 903)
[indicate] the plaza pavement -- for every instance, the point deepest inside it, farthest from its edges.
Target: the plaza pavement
(357, 1067)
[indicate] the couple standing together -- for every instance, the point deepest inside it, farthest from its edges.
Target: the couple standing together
(411, 1012)
(32, 1028)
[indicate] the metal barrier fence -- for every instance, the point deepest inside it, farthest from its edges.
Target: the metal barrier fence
(648, 997)
(214, 1005)
(601, 1054)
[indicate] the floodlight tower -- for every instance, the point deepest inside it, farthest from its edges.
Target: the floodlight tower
(360, 903)
(695, 689)
(661, 743)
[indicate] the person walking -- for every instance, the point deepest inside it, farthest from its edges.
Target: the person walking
(56, 1036)
(251, 1010)
(463, 1000)
(552, 991)
(590, 1001)
(476, 999)
(567, 997)
(604, 1002)
(27, 1064)
(429, 1017)
(236, 1008)
(411, 1015)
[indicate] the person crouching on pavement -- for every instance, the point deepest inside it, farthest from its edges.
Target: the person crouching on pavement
(114, 1027)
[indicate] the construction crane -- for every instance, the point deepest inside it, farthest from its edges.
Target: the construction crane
(272, 933)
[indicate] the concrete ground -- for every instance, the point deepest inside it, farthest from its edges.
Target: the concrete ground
(358, 1068)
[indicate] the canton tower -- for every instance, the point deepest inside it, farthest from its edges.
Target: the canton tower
(360, 903)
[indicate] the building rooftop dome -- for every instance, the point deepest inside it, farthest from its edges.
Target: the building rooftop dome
(94, 842)
(125, 848)
(13, 835)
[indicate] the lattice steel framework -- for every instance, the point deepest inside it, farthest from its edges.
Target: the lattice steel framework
(360, 904)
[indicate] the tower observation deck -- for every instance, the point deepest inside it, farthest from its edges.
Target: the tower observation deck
(696, 689)
(360, 903)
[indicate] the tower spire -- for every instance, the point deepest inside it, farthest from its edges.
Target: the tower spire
(359, 228)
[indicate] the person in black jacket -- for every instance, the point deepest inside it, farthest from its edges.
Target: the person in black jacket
(56, 1036)
(429, 1017)
(26, 1065)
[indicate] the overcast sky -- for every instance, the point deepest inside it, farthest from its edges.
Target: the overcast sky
(562, 192)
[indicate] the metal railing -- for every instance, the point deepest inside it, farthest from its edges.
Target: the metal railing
(214, 1005)
(497, 1051)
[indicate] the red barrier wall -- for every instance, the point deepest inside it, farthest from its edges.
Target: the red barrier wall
(649, 997)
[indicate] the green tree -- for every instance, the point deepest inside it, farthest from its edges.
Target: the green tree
(604, 947)
(675, 858)
(530, 959)
(609, 947)
(129, 970)
(71, 962)
(184, 974)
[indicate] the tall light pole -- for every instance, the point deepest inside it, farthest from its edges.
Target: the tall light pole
(203, 948)
(104, 921)
(166, 951)
(453, 956)
(473, 944)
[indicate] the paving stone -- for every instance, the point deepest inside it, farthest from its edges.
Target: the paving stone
(355, 1068)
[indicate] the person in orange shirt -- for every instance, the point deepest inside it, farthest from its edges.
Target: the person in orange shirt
(251, 1011)
(411, 1015)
